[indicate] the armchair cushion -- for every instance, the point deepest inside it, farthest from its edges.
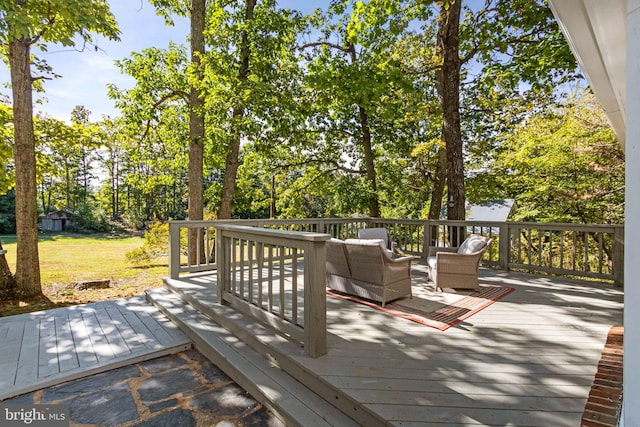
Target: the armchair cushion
(472, 244)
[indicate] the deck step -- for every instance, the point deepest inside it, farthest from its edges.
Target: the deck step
(294, 403)
(199, 292)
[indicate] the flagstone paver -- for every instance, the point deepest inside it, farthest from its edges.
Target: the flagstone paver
(184, 390)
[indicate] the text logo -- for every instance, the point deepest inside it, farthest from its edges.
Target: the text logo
(34, 415)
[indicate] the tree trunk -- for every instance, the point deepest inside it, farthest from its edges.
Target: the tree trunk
(27, 262)
(232, 160)
(374, 203)
(448, 84)
(196, 131)
(437, 192)
(230, 172)
(196, 114)
(67, 184)
(438, 184)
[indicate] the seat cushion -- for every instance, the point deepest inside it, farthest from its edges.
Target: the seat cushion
(337, 258)
(375, 233)
(472, 244)
(368, 242)
(431, 262)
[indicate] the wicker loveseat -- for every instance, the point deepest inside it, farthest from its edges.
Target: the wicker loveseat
(363, 268)
(457, 267)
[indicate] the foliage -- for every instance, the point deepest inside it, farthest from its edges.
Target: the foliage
(6, 147)
(315, 90)
(156, 245)
(8, 213)
(560, 165)
(92, 218)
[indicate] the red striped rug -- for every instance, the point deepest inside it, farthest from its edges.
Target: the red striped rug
(422, 309)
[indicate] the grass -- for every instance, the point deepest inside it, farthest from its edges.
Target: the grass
(66, 258)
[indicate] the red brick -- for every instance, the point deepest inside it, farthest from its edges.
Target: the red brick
(607, 382)
(606, 410)
(604, 391)
(591, 423)
(617, 331)
(603, 418)
(605, 398)
(610, 366)
(603, 401)
(611, 372)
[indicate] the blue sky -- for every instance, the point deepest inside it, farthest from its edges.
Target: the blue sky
(86, 74)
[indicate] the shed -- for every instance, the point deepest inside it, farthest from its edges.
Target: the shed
(57, 220)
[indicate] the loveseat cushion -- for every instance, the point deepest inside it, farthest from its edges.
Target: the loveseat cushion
(336, 258)
(472, 244)
(367, 242)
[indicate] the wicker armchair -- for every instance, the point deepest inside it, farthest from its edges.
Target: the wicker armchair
(457, 267)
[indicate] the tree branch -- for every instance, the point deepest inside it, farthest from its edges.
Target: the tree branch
(165, 98)
(335, 164)
(344, 49)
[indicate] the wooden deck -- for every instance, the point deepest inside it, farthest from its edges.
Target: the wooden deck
(50, 347)
(527, 360)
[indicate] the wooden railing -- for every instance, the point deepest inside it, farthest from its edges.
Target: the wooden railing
(574, 250)
(277, 277)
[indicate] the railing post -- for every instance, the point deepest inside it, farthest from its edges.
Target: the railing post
(426, 239)
(618, 256)
(174, 250)
(222, 264)
(504, 247)
(315, 297)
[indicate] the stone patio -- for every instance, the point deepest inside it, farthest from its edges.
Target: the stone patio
(183, 389)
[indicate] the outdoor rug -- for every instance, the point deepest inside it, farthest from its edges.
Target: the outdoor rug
(440, 310)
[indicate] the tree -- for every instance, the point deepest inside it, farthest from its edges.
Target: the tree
(473, 46)
(111, 135)
(58, 155)
(196, 10)
(355, 82)
(24, 24)
(560, 164)
(153, 129)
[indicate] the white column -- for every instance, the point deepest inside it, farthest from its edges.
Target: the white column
(631, 412)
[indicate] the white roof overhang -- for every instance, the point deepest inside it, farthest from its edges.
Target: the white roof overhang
(597, 34)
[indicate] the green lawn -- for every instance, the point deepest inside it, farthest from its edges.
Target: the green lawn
(65, 258)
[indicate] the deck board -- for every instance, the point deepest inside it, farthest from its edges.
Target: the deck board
(527, 360)
(116, 341)
(54, 346)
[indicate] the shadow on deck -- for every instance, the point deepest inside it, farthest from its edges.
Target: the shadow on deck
(529, 359)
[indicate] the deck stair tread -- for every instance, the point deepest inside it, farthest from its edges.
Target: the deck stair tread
(261, 376)
(47, 348)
